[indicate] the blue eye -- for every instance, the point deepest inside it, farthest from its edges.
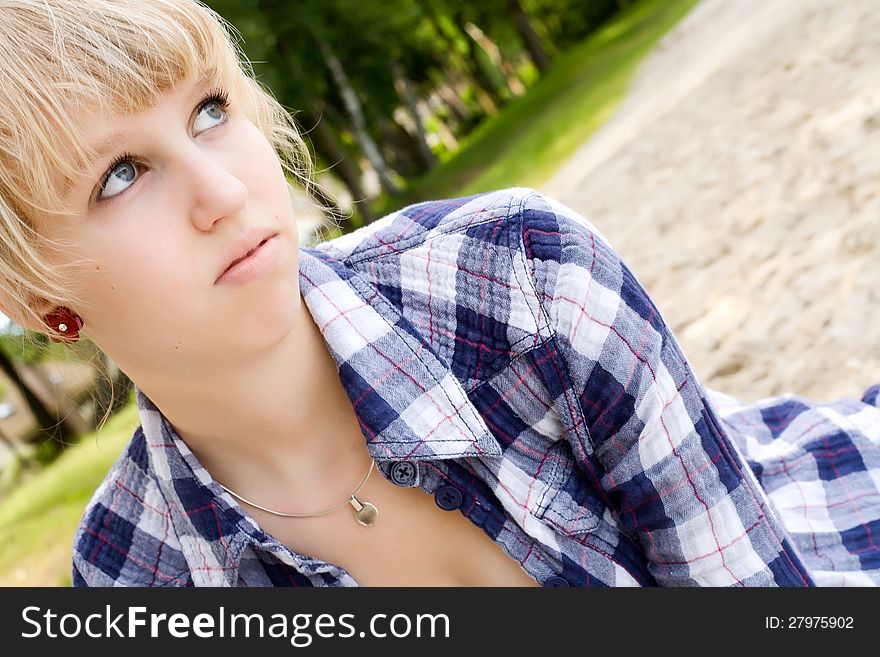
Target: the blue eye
(214, 109)
(123, 171)
(119, 176)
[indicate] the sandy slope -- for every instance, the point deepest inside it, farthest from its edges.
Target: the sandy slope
(741, 182)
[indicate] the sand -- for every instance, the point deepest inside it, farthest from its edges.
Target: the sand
(740, 181)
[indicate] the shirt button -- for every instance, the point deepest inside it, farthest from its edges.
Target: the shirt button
(556, 582)
(403, 473)
(448, 498)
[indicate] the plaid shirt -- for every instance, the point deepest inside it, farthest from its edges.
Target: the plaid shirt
(500, 355)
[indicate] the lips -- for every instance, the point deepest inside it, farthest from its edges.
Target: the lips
(244, 246)
(247, 255)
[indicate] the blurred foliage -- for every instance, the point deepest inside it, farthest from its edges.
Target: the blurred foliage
(536, 134)
(463, 60)
(31, 347)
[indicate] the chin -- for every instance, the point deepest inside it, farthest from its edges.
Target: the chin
(271, 317)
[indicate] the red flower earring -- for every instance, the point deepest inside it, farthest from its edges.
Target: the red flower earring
(66, 322)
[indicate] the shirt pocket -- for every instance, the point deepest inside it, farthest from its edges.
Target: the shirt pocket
(570, 505)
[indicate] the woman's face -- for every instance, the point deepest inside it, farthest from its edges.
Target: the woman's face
(178, 186)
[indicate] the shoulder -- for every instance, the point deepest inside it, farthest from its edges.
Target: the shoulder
(460, 272)
(125, 537)
(517, 235)
(491, 217)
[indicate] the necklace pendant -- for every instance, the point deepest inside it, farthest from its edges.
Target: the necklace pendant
(365, 513)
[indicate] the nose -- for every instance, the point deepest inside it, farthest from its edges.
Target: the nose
(216, 192)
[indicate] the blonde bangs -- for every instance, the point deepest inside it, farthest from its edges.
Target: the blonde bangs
(62, 62)
(71, 60)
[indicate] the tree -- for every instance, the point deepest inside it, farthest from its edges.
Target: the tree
(52, 425)
(353, 106)
(407, 95)
(530, 38)
(468, 63)
(478, 64)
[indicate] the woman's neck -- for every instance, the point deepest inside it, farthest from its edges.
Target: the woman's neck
(282, 427)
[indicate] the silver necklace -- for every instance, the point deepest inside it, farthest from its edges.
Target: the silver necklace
(364, 512)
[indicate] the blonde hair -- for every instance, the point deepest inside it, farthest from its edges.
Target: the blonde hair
(63, 60)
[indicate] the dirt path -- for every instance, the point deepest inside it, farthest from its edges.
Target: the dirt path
(740, 180)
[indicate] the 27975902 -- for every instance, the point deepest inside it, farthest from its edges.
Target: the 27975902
(809, 622)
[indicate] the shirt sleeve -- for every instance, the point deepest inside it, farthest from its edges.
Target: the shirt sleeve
(87, 575)
(125, 536)
(77, 580)
(637, 418)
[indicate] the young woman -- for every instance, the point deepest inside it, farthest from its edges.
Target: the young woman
(468, 392)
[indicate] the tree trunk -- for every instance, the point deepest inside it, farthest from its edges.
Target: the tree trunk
(483, 98)
(53, 425)
(493, 52)
(530, 38)
(66, 410)
(456, 106)
(484, 79)
(328, 147)
(404, 90)
(398, 149)
(359, 123)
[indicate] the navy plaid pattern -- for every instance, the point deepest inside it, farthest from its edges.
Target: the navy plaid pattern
(498, 345)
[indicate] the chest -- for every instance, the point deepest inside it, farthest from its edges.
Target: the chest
(412, 543)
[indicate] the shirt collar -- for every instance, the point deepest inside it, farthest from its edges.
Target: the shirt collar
(407, 399)
(408, 402)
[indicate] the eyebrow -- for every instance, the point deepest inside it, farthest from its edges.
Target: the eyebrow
(103, 149)
(108, 143)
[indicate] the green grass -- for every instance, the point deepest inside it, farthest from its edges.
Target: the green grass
(39, 518)
(535, 134)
